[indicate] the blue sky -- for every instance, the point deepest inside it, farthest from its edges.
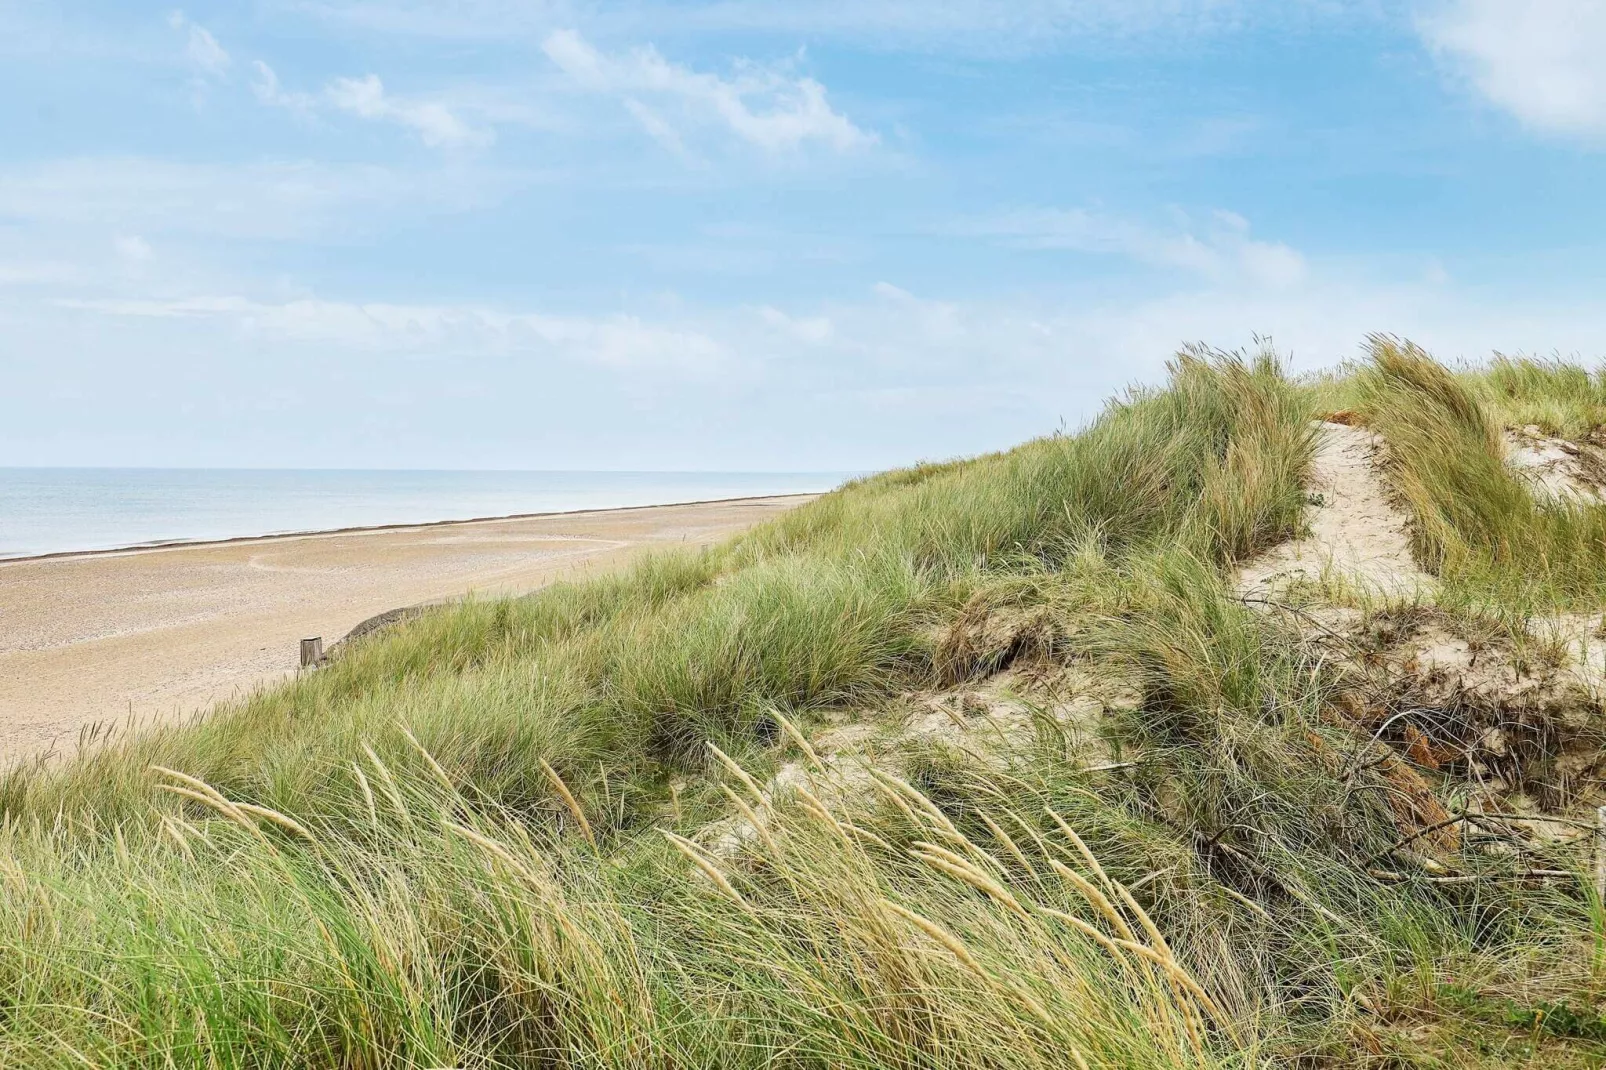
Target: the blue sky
(725, 234)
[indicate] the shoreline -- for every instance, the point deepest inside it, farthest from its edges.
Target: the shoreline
(147, 635)
(368, 529)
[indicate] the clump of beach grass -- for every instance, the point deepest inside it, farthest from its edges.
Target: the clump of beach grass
(1475, 522)
(490, 837)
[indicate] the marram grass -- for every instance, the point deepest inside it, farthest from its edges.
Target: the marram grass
(490, 838)
(1476, 523)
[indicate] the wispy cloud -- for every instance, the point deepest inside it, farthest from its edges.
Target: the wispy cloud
(201, 48)
(621, 342)
(656, 127)
(904, 373)
(433, 121)
(1221, 251)
(277, 201)
(766, 106)
(1540, 60)
(265, 85)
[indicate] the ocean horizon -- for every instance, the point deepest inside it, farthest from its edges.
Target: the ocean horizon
(68, 510)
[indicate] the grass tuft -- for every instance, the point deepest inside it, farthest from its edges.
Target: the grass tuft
(603, 825)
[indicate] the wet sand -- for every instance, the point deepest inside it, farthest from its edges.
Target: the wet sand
(143, 635)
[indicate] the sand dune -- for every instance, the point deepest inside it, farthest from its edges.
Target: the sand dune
(136, 636)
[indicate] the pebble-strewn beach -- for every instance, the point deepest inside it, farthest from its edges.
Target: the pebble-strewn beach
(150, 634)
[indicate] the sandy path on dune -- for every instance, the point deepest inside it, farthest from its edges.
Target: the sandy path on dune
(154, 634)
(1356, 531)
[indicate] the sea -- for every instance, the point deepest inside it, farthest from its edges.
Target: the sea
(62, 510)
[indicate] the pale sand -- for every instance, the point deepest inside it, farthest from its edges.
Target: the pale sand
(1356, 530)
(145, 635)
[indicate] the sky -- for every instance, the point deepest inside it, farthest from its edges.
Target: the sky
(743, 235)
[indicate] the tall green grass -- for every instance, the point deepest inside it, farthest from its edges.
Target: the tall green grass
(832, 603)
(492, 837)
(430, 930)
(1475, 522)
(1558, 397)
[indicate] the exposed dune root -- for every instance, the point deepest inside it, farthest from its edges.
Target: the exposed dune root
(1454, 713)
(1501, 727)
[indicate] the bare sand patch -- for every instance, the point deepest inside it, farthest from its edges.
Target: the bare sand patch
(1512, 721)
(1555, 468)
(1352, 527)
(146, 635)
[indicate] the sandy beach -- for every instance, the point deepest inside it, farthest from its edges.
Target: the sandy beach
(141, 635)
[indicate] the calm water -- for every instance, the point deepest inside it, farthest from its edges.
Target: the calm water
(46, 510)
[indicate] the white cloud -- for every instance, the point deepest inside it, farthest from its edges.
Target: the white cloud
(431, 120)
(435, 123)
(860, 381)
(815, 330)
(265, 85)
(764, 106)
(1221, 252)
(1540, 60)
(1071, 354)
(656, 127)
(201, 48)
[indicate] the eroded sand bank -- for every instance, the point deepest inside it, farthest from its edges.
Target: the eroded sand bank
(144, 635)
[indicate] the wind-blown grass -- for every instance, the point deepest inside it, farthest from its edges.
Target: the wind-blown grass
(831, 603)
(483, 839)
(1475, 522)
(1559, 398)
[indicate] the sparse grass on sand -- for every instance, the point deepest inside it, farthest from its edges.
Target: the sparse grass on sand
(502, 834)
(1476, 523)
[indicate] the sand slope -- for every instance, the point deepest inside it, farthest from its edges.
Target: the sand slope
(1355, 530)
(154, 634)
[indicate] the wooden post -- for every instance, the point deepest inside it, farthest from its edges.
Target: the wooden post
(1600, 854)
(312, 653)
